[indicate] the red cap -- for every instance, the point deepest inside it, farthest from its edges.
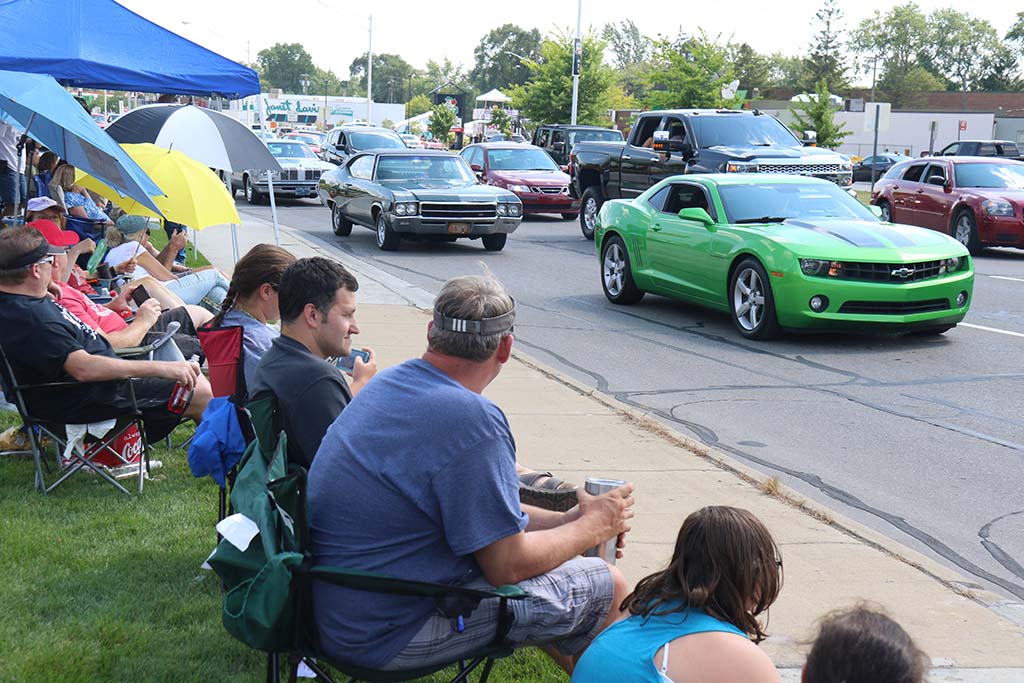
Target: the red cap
(53, 234)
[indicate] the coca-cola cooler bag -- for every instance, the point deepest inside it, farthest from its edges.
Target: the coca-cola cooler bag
(128, 444)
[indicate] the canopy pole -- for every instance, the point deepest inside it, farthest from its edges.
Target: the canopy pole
(234, 241)
(22, 171)
(195, 244)
(270, 181)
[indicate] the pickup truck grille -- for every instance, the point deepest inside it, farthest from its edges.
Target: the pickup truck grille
(800, 169)
(466, 211)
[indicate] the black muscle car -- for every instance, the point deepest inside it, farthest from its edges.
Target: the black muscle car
(419, 194)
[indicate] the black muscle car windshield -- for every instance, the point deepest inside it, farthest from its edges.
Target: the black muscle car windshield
(423, 167)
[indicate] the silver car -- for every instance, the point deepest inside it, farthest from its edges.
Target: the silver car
(299, 175)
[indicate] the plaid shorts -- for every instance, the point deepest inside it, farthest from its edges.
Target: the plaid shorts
(565, 609)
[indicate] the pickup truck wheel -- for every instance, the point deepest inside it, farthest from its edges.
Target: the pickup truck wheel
(252, 195)
(590, 204)
(495, 242)
(965, 230)
(342, 226)
(387, 239)
(751, 301)
(616, 276)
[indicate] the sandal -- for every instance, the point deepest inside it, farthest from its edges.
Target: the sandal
(546, 491)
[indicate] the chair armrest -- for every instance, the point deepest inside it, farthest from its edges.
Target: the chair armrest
(165, 337)
(378, 583)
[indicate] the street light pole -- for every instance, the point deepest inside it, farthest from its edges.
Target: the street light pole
(577, 66)
(369, 74)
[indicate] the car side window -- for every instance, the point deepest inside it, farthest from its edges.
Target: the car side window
(557, 136)
(645, 131)
(987, 150)
(686, 196)
(1010, 150)
(362, 167)
(542, 137)
(341, 139)
(913, 173)
(475, 156)
(951, 150)
(658, 200)
(935, 170)
(871, 160)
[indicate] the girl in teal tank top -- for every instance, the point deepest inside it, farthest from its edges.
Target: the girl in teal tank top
(725, 571)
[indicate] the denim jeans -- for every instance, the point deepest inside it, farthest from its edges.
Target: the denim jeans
(206, 288)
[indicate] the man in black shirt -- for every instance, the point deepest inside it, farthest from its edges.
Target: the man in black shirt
(317, 300)
(46, 343)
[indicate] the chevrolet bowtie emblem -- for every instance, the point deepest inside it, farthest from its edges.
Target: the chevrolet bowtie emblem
(902, 273)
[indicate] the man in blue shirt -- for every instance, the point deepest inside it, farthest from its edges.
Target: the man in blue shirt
(417, 479)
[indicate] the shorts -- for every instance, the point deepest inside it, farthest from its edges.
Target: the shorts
(151, 396)
(186, 338)
(9, 180)
(565, 609)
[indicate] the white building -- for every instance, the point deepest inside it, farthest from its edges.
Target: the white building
(312, 110)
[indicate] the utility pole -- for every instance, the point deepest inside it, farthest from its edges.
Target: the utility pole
(369, 74)
(577, 61)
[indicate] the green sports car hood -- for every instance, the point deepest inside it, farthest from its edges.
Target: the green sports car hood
(868, 240)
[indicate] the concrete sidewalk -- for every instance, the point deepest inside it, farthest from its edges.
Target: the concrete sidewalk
(564, 426)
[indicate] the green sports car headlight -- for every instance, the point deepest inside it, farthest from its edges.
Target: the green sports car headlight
(820, 268)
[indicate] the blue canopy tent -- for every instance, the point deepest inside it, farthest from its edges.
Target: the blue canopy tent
(100, 44)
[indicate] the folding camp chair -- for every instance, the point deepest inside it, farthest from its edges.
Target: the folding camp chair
(78, 459)
(225, 363)
(268, 598)
(87, 228)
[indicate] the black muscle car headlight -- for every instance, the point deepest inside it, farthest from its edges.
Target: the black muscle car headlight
(997, 207)
(405, 208)
(502, 209)
(515, 210)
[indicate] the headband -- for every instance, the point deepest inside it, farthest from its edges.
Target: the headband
(499, 324)
(28, 258)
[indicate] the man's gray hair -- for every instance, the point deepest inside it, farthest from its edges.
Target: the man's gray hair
(471, 297)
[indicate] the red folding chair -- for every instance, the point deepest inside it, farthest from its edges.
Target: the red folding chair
(225, 363)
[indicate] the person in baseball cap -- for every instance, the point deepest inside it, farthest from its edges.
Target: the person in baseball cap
(46, 208)
(68, 242)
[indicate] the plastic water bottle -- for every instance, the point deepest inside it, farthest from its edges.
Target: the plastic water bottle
(182, 395)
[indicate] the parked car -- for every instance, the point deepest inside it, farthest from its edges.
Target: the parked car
(981, 148)
(313, 141)
(419, 194)
(298, 177)
(977, 200)
(880, 163)
(780, 252)
(558, 139)
(100, 119)
(350, 139)
(693, 141)
(411, 141)
(527, 171)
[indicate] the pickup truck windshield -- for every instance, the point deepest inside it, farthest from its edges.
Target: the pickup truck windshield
(594, 136)
(779, 201)
(739, 130)
(1005, 176)
(525, 159)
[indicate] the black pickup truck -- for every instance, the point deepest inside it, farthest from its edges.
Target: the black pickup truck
(668, 143)
(982, 148)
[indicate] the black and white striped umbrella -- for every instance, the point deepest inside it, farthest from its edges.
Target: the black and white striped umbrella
(207, 136)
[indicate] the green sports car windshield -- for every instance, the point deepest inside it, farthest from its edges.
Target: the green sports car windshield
(775, 202)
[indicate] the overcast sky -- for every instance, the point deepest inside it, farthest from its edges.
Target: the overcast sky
(334, 32)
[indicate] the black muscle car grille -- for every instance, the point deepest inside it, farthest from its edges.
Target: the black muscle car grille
(468, 211)
(800, 169)
(883, 272)
(894, 307)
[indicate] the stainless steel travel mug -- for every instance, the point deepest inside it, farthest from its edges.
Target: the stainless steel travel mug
(595, 486)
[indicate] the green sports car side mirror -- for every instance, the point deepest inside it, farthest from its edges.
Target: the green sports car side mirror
(698, 215)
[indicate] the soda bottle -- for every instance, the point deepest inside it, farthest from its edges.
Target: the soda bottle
(182, 395)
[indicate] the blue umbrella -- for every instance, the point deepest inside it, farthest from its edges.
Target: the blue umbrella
(49, 114)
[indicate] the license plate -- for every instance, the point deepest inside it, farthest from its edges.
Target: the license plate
(303, 192)
(458, 228)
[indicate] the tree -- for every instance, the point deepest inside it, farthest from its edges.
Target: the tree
(391, 76)
(495, 67)
(417, 105)
(750, 68)
(1001, 72)
(387, 123)
(826, 59)
(960, 48)
(441, 121)
(786, 72)
(818, 114)
(282, 66)
(547, 96)
(690, 72)
(501, 120)
(631, 52)
(896, 39)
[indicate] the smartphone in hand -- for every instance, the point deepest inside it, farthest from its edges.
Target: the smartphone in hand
(139, 295)
(348, 363)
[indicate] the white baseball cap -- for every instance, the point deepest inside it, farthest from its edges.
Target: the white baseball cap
(41, 204)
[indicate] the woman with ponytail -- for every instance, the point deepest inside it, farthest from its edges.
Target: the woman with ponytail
(251, 301)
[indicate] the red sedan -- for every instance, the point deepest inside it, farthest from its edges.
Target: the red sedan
(977, 200)
(527, 171)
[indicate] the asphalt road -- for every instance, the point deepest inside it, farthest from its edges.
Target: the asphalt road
(919, 438)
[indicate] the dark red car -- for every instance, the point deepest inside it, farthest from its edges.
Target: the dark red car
(527, 171)
(977, 200)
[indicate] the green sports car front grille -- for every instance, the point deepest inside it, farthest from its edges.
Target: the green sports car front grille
(890, 272)
(894, 307)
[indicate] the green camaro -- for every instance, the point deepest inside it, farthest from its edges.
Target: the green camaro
(781, 252)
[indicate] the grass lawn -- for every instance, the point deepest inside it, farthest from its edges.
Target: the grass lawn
(100, 586)
(158, 238)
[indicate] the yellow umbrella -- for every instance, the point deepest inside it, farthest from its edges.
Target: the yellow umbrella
(195, 196)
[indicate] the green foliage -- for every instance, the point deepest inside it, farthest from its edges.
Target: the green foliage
(441, 120)
(631, 55)
(897, 39)
(786, 71)
(437, 74)
(690, 72)
(826, 59)
(283, 64)
(547, 97)
(962, 48)
(494, 67)
(750, 68)
(391, 76)
(417, 105)
(387, 123)
(501, 120)
(818, 114)
(416, 128)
